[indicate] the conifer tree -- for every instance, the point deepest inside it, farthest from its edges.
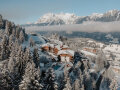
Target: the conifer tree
(21, 36)
(50, 79)
(1, 22)
(36, 58)
(68, 85)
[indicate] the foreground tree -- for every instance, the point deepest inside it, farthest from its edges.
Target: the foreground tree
(31, 78)
(36, 58)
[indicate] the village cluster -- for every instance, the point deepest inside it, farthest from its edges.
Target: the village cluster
(58, 51)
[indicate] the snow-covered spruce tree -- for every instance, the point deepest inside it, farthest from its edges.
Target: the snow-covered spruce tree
(76, 85)
(6, 82)
(20, 60)
(36, 58)
(11, 64)
(27, 55)
(76, 71)
(108, 79)
(49, 81)
(5, 52)
(31, 78)
(14, 32)
(77, 57)
(1, 22)
(18, 29)
(16, 65)
(78, 82)
(86, 65)
(8, 27)
(16, 45)
(21, 36)
(11, 42)
(61, 82)
(68, 85)
(105, 84)
(100, 61)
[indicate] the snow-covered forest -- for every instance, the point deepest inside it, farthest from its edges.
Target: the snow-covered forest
(25, 66)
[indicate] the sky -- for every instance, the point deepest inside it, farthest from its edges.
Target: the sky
(23, 11)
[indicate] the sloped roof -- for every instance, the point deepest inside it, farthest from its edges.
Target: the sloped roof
(46, 44)
(58, 47)
(70, 52)
(51, 45)
(65, 46)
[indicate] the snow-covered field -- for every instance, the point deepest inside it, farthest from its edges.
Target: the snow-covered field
(88, 53)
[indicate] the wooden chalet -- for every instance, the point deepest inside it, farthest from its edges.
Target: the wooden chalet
(51, 48)
(66, 55)
(45, 47)
(56, 49)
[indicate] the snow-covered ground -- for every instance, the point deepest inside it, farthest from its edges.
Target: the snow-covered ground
(112, 48)
(38, 39)
(88, 53)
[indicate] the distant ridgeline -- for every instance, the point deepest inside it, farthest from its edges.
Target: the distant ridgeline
(105, 37)
(67, 18)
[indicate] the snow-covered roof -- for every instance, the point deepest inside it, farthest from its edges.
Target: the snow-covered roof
(58, 47)
(51, 45)
(46, 44)
(52, 54)
(90, 41)
(65, 46)
(70, 52)
(87, 53)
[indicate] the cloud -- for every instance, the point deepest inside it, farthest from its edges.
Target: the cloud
(86, 27)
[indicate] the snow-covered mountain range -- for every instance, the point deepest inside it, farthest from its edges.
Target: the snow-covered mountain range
(68, 18)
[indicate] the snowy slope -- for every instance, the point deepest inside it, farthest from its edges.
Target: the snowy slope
(37, 39)
(88, 53)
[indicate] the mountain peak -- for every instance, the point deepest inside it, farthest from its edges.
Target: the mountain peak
(67, 18)
(114, 10)
(71, 18)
